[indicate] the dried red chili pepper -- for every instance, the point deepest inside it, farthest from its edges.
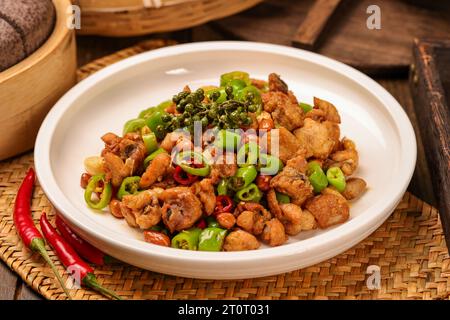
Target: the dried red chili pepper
(70, 258)
(223, 204)
(25, 225)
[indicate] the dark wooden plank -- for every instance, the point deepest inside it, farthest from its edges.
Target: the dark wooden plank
(378, 52)
(430, 81)
(24, 292)
(313, 26)
(8, 282)
(421, 184)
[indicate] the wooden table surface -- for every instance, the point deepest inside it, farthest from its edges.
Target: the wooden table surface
(90, 48)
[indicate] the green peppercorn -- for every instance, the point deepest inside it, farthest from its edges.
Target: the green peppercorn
(166, 118)
(176, 98)
(204, 121)
(252, 108)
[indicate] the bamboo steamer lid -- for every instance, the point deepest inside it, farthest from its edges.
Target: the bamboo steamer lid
(29, 88)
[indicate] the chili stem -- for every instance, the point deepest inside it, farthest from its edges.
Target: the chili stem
(38, 246)
(91, 281)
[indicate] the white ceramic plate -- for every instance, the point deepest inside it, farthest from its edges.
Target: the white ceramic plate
(105, 100)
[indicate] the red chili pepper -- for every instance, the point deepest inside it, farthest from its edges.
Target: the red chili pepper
(70, 258)
(82, 247)
(182, 177)
(25, 225)
(223, 204)
(202, 224)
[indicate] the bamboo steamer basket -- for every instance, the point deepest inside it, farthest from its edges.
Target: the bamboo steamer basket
(30, 88)
(121, 18)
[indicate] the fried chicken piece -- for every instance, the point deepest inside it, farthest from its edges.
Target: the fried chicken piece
(156, 170)
(274, 233)
(240, 240)
(251, 217)
(329, 209)
(142, 209)
(346, 157)
(204, 190)
(354, 188)
(284, 112)
(295, 220)
(224, 166)
(293, 181)
(329, 110)
(116, 169)
(276, 84)
(181, 208)
(288, 144)
(318, 138)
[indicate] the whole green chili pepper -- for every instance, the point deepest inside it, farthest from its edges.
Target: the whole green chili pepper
(251, 193)
(243, 177)
(105, 196)
(190, 168)
(212, 222)
(336, 178)
(282, 198)
(269, 164)
(187, 239)
(306, 107)
(227, 139)
(150, 142)
(130, 185)
(152, 156)
(211, 239)
(316, 176)
(226, 78)
(222, 187)
(133, 125)
(248, 154)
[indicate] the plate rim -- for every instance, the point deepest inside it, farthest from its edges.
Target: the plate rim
(342, 232)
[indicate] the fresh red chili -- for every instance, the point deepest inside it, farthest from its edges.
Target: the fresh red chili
(25, 225)
(182, 177)
(223, 204)
(70, 258)
(82, 247)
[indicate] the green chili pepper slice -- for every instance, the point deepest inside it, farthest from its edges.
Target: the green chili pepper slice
(152, 156)
(211, 239)
(130, 185)
(187, 239)
(226, 78)
(336, 178)
(248, 154)
(251, 193)
(149, 111)
(105, 196)
(282, 198)
(269, 164)
(198, 158)
(237, 85)
(222, 94)
(150, 142)
(212, 222)
(227, 139)
(222, 187)
(306, 107)
(243, 177)
(155, 123)
(242, 95)
(316, 176)
(133, 125)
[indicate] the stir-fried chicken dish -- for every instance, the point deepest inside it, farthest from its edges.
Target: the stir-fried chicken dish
(227, 168)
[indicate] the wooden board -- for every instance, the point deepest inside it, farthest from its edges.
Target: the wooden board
(430, 85)
(347, 38)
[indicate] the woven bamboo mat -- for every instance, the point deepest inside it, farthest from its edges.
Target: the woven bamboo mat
(409, 248)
